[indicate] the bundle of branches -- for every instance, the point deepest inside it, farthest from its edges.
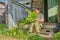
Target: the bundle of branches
(31, 17)
(31, 14)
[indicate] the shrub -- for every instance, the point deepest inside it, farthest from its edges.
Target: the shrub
(57, 36)
(3, 26)
(20, 33)
(35, 37)
(17, 32)
(3, 29)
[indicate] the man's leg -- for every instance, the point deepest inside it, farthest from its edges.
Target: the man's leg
(31, 27)
(41, 26)
(37, 26)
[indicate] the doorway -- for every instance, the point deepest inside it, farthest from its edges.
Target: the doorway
(50, 10)
(46, 10)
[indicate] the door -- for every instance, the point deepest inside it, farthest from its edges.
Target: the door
(45, 10)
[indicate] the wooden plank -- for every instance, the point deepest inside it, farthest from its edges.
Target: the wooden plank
(36, 4)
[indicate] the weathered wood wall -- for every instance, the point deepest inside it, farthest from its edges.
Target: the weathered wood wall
(2, 10)
(59, 6)
(1, 15)
(58, 10)
(36, 3)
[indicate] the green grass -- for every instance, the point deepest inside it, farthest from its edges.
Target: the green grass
(57, 36)
(18, 33)
(21, 34)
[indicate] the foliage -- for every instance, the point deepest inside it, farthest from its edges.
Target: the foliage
(3, 29)
(19, 33)
(35, 37)
(3, 26)
(31, 18)
(22, 33)
(53, 19)
(57, 36)
(16, 32)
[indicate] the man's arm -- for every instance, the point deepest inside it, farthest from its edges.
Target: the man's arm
(40, 19)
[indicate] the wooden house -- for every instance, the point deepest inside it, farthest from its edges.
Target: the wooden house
(50, 9)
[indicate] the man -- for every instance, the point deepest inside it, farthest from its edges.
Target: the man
(39, 21)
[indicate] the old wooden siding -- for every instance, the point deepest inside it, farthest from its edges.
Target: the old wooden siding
(2, 10)
(58, 11)
(59, 6)
(2, 15)
(37, 4)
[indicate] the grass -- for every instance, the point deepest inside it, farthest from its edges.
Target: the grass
(20, 34)
(17, 34)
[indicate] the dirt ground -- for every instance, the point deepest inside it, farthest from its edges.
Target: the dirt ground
(6, 38)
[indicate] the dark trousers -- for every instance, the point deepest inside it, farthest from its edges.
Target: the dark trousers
(57, 28)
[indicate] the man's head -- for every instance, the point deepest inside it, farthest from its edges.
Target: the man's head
(37, 10)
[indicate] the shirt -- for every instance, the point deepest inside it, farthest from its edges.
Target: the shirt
(40, 16)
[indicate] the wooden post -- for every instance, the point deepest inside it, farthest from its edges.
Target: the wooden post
(9, 15)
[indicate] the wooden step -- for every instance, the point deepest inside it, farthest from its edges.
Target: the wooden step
(50, 26)
(46, 33)
(46, 36)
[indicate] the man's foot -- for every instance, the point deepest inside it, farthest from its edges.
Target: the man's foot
(29, 32)
(38, 33)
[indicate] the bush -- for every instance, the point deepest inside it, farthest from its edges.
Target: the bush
(3, 26)
(57, 36)
(3, 29)
(17, 32)
(20, 33)
(35, 37)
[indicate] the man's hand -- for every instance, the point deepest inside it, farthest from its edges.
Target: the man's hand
(40, 20)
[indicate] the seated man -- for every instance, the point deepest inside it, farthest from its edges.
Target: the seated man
(39, 21)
